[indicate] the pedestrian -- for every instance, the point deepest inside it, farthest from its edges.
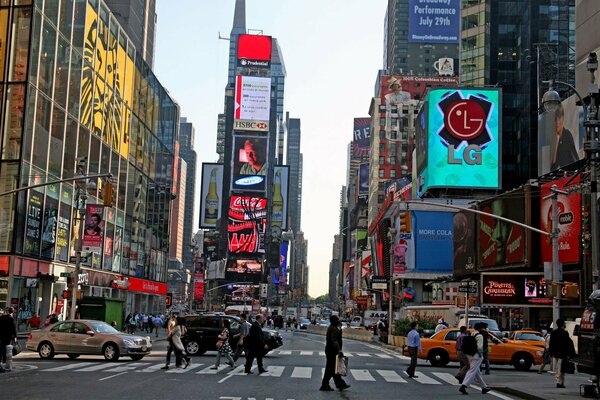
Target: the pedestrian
(413, 342)
(34, 321)
(8, 335)
(244, 330)
(440, 325)
(333, 349)
(170, 348)
(546, 359)
(150, 323)
(561, 348)
(256, 346)
(179, 331)
(223, 347)
(158, 322)
(462, 357)
(472, 346)
(486, 351)
(145, 322)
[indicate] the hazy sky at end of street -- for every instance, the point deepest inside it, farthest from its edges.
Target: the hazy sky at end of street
(332, 50)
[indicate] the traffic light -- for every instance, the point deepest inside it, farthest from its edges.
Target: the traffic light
(66, 294)
(169, 299)
(107, 194)
(404, 221)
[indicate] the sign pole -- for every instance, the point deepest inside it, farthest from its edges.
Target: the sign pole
(81, 198)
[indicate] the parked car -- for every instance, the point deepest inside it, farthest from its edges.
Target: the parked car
(76, 337)
(202, 332)
(534, 338)
(440, 349)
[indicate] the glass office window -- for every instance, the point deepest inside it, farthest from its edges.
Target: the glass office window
(57, 142)
(3, 39)
(46, 72)
(13, 121)
(19, 53)
(66, 17)
(41, 132)
(62, 72)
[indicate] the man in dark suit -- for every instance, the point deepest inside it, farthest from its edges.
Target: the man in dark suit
(8, 334)
(333, 348)
(561, 348)
(256, 346)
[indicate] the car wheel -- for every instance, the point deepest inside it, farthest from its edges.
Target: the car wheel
(522, 361)
(438, 358)
(137, 357)
(193, 348)
(73, 356)
(110, 351)
(46, 350)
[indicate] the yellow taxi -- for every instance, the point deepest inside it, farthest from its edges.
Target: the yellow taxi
(534, 338)
(440, 349)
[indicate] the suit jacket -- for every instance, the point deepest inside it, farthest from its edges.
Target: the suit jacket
(255, 340)
(561, 345)
(8, 330)
(333, 343)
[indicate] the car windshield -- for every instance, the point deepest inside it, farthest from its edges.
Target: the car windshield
(103, 327)
(304, 321)
(491, 324)
(529, 336)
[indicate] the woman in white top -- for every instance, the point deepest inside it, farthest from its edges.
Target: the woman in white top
(178, 332)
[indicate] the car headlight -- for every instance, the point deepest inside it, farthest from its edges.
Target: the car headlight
(539, 353)
(128, 342)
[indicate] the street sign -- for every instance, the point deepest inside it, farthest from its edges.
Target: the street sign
(65, 274)
(73, 259)
(468, 283)
(465, 289)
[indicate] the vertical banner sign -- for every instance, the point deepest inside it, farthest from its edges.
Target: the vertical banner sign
(64, 225)
(569, 222)
(360, 140)
(363, 181)
(33, 228)
(280, 197)
(50, 222)
(211, 193)
(278, 275)
(116, 264)
(198, 279)
(94, 228)
(434, 21)
(465, 252)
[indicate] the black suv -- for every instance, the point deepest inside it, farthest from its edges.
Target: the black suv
(202, 332)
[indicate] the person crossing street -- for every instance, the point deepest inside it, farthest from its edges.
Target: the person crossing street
(256, 346)
(333, 348)
(472, 346)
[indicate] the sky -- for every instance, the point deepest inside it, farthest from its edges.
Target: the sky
(332, 50)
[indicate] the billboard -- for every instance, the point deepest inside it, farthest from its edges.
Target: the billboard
(281, 184)
(211, 192)
(252, 103)
(94, 228)
(244, 266)
(249, 163)
(501, 242)
(433, 21)
(398, 89)
(254, 51)
(360, 140)
(569, 221)
(465, 252)
(50, 223)
(247, 225)
(33, 224)
(464, 144)
(241, 293)
(363, 181)
(279, 275)
(433, 238)
(560, 136)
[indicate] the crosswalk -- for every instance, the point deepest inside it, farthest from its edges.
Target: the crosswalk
(274, 371)
(347, 354)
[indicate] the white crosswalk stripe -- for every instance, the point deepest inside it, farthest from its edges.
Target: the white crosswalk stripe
(363, 354)
(306, 353)
(446, 377)
(383, 356)
(183, 371)
(302, 372)
(68, 366)
(125, 367)
(95, 367)
(152, 368)
(390, 376)
(361, 375)
(424, 379)
(211, 371)
(274, 370)
(284, 352)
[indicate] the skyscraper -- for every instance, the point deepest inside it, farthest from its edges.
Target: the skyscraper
(188, 154)
(293, 159)
(278, 81)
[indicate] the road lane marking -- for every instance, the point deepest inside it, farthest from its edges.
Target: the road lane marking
(383, 356)
(95, 368)
(152, 368)
(112, 376)
(183, 371)
(274, 370)
(211, 371)
(347, 354)
(494, 393)
(390, 376)
(322, 353)
(361, 375)
(306, 353)
(424, 379)
(69, 366)
(446, 377)
(285, 352)
(237, 371)
(363, 354)
(302, 372)
(126, 367)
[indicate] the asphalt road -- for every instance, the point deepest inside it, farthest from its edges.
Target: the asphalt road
(294, 372)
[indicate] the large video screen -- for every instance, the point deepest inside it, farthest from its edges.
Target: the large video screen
(249, 163)
(247, 225)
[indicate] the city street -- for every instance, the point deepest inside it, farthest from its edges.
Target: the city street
(294, 372)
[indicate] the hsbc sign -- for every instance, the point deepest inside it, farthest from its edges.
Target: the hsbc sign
(249, 125)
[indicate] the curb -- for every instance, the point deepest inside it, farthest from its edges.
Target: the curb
(516, 392)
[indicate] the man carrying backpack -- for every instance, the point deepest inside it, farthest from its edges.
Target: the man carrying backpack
(472, 347)
(462, 357)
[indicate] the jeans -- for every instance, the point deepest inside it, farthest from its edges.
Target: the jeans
(486, 362)
(227, 355)
(412, 351)
(170, 349)
(474, 373)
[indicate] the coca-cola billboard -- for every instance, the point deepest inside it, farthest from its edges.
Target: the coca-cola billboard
(247, 225)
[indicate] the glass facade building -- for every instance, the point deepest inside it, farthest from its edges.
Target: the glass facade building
(72, 85)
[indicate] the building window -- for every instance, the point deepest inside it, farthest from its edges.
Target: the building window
(382, 121)
(381, 160)
(392, 147)
(382, 173)
(394, 135)
(394, 110)
(382, 108)
(382, 134)
(393, 160)
(381, 147)
(379, 198)
(392, 173)
(394, 122)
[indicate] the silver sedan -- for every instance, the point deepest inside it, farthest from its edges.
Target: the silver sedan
(76, 337)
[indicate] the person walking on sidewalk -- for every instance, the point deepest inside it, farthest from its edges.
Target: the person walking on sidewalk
(256, 346)
(223, 347)
(8, 334)
(561, 348)
(244, 330)
(546, 359)
(333, 348)
(179, 331)
(413, 342)
(170, 348)
(472, 346)
(462, 357)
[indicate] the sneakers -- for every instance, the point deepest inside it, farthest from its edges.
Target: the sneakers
(165, 367)
(346, 386)
(463, 389)
(214, 367)
(485, 390)
(560, 386)
(187, 363)
(263, 371)
(326, 389)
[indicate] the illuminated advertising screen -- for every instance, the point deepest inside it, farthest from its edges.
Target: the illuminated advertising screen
(399, 89)
(432, 233)
(569, 221)
(211, 194)
(252, 103)
(254, 51)
(363, 181)
(280, 196)
(560, 136)
(244, 266)
(249, 170)
(464, 139)
(360, 140)
(465, 252)
(94, 228)
(501, 242)
(279, 275)
(33, 229)
(523, 290)
(240, 293)
(433, 21)
(247, 223)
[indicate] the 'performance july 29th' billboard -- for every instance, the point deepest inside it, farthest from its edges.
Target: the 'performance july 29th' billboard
(463, 140)
(434, 21)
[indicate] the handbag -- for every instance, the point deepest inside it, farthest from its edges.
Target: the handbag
(341, 365)
(567, 367)
(16, 348)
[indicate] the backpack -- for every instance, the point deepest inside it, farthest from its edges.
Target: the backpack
(469, 345)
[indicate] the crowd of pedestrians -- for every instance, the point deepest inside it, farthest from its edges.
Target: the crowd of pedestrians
(142, 322)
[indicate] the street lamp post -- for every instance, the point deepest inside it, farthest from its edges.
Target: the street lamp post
(81, 198)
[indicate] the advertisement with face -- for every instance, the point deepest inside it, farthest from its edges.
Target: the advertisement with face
(94, 228)
(465, 252)
(360, 141)
(433, 240)
(433, 21)
(247, 225)
(501, 242)
(249, 163)
(397, 90)
(569, 221)
(211, 193)
(560, 136)
(464, 139)
(50, 223)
